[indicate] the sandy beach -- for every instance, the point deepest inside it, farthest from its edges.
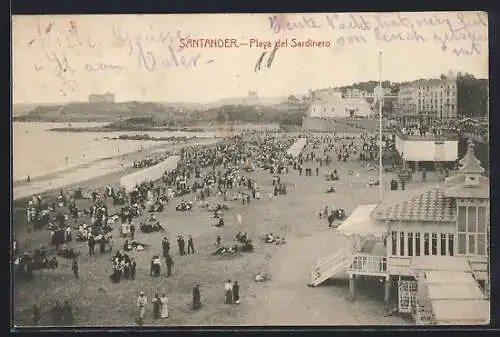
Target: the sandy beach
(121, 165)
(283, 300)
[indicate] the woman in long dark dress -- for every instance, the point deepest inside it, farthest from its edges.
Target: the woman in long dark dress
(196, 297)
(236, 292)
(156, 307)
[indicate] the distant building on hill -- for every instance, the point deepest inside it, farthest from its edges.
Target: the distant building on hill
(252, 98)
(330, 105)
(334, 106)
(104, 98)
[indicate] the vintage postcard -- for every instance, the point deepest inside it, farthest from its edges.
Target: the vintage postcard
(250, 169)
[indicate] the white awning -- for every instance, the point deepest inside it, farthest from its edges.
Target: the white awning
(152, 173)
(461, 312)
(361, 223)
(454, 294)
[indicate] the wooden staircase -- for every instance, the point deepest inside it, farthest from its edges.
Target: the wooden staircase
(330, 266)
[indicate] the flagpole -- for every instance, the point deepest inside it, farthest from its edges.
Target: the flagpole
(380, 124)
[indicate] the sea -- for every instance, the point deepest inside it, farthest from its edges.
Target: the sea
(38, 151)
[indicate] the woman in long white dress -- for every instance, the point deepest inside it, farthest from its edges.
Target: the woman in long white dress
(164, 306)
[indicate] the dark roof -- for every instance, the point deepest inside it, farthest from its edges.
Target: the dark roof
(431, 205)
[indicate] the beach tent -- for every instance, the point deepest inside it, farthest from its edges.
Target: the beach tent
(152, 173)
(297, 147)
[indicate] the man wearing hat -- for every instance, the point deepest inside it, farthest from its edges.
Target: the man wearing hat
(165, 247)
(142, 301)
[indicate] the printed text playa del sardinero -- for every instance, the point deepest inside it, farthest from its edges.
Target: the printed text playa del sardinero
(253, 42)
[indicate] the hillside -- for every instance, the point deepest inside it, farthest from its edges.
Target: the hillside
(285, 114)
(21, 109)
(96, 112)
(138, 115)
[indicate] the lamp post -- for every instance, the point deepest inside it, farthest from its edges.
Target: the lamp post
(381, 93)
(380, 97)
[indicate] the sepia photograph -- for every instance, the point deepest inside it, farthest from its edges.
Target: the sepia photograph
(271, 169)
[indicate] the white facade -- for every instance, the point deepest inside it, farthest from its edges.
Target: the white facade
(334, 106)
(427, 150)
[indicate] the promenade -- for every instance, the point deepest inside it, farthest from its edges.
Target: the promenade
(103, 167)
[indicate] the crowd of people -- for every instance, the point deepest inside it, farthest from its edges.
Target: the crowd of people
(203, 171)
(214, 170)
(151, 161)
(439, 127)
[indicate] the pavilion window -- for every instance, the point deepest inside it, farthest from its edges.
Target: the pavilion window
(410, 244)
(434, 244)
(472, 243)
(451, 247)
(481, 231)
(461, 243)
(402, 244)
(426, 243)
(471, 219)
(472, 230)
(443, 244)
(462, 229)
(394, 240)
(417, 244)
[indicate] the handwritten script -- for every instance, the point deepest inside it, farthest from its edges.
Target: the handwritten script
(457, 33)
(139, 46)
(68, 51)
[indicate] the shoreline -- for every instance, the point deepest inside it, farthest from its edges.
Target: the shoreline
(105, 129)
(129, 157)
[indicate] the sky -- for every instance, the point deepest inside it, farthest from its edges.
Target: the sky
(140, 57)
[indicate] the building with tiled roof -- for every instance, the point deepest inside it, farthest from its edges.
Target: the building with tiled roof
(430, 206)
(413, 234)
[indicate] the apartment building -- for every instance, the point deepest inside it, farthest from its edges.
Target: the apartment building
(430, 99)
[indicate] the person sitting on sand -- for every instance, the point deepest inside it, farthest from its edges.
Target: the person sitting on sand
(269, 238)
(280, 240)
(220, 223)
(261, 277)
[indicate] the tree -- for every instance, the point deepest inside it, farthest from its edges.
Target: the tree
(465, 76)
(293, 100)
(472, 96)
